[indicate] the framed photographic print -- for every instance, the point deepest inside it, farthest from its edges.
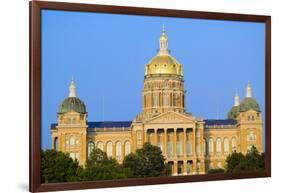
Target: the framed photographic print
(123, 96)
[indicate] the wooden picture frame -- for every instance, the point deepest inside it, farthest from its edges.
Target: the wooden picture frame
(36, 81)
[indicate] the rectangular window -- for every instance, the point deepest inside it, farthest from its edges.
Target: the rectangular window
(159, 144)
(189, 148)
(139, 137)
(198, 149)
(179, 144)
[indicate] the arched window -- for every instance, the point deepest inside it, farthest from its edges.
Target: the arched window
(233, 144)
(67, 143)
(90, 148)
(219, 165)
(127, 148)
(109, 149)
(251, 136)
(118, 151)
(226, 145)
(72, 141)
(211, 145)
(72, 155)
(100, 145)
(218, 145)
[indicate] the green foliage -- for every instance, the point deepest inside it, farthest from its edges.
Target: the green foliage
(216, 171)
(58, 167)
(146, 162)
(252, 161)
(99, 167)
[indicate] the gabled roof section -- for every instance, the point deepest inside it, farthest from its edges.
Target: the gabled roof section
(172, 117)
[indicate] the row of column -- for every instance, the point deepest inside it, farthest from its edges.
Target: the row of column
(182, 167)
(174, 140)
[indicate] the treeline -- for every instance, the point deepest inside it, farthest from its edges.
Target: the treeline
(253, 161)
(145, 162)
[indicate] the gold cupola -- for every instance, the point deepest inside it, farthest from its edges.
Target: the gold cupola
(163, 63)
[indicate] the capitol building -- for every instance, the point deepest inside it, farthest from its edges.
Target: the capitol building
(190, 145)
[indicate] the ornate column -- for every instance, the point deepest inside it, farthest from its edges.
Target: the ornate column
(175, 168)
(184, 143)
(165, 142)
(193, 143)
(145, 135)
(175, 143)
(194, 166)
(184, 172)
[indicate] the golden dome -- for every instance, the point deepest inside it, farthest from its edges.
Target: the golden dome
(163, 62)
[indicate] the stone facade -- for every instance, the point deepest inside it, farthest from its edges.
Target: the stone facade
(189, 144)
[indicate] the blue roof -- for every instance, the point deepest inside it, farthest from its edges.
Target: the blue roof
(108, 124)
(103, 124)
(54, 125)
(221, 122)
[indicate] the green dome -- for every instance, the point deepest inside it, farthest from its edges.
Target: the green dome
(249, 103)
(233, 113)
(72, 104)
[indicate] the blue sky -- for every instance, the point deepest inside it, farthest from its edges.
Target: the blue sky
(106, 55)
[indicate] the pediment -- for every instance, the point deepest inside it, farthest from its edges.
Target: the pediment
(172, 117)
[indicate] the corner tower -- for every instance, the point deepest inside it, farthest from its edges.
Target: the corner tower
(249, 121)
(163, 89)
(70, 133)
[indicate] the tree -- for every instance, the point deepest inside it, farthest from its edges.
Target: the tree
(233, 160)
(58, 167)
(146, 162)
(99, 167)
(216, 171)
(252, 161)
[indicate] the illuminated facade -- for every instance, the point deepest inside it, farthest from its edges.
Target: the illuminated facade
(189, 144)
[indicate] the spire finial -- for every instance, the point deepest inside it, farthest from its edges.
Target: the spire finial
(163, 43)
(72, 89)
(163, 29)
(249, 90)
(236, 99)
